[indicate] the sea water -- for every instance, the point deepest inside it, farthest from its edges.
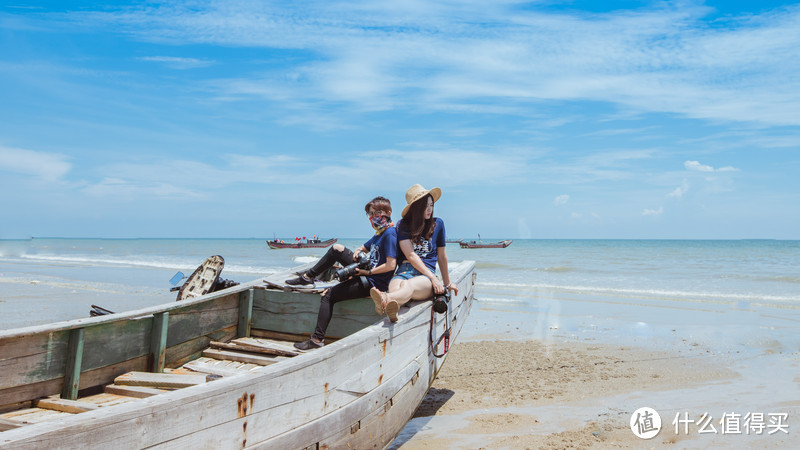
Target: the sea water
(540, 282)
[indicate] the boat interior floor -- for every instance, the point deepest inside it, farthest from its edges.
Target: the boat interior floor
(218, 360)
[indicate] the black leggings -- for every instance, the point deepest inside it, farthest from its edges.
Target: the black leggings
(331, 257)
(355, 287)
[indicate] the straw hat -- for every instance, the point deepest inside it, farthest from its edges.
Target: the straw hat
(417, 192)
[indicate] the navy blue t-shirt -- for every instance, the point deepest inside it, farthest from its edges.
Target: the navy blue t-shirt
(427, 249)
(380, 247)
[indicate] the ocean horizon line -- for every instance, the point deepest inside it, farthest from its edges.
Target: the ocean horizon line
(488, 239)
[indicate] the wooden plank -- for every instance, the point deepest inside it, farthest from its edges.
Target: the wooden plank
(213, 298)
(240, 357)
(133, 391)
(105, 399)
(240, 347)
(245, 312)
(191, 349)
(14, 407)
(32, 358)
(64, 405)
(292, 312)
(279, 348)
(36, 415)
(158, 341)
(200, 320)
(7, 424)
(279, 336)
(72, 372)
(291, 337)
(159, 380)
(213, 369)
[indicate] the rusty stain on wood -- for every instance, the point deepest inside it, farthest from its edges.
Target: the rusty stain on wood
(380, 379)
(241, 405)
(384, 349)
(252, 400)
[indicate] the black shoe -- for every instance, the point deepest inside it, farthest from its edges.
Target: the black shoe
(308, 345)
(302, 280)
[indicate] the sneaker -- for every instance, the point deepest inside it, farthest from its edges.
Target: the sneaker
(391, 310)
(375, 294)
(308, 345)
(302, 280)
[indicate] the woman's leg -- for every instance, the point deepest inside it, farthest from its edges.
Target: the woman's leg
(416, 288)
(400, 292)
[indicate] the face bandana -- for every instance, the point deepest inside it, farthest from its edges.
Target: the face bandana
(380, 223)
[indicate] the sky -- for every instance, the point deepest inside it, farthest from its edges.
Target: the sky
(537, 119)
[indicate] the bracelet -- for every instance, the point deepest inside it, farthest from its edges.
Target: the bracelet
(370, 273)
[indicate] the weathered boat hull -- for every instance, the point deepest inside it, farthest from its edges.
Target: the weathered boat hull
(359, 391)
(321, 244)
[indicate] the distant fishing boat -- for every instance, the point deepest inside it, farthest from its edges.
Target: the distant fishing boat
(308, 243)
(219, 371)
(476, 244)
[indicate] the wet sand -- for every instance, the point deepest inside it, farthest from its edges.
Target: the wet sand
(569, 392)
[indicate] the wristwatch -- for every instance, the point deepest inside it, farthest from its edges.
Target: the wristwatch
(370, 273)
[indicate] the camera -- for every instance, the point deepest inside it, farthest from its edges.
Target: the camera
(350, 270)
(440, 302)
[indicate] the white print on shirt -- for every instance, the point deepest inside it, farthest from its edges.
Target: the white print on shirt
(374, 256)
(423, 248)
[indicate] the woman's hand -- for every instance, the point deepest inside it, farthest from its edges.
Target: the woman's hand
(438, 287)
(453, 287)
(363, 272)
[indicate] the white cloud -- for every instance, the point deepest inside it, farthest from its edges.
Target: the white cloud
(561, 200)
(680, 191)
(42, 165)
(653, 212)
(179, 63)
(666, 58)
(397, 170)
(697, 167)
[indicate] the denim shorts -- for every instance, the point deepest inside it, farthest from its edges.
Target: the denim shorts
(405, 271)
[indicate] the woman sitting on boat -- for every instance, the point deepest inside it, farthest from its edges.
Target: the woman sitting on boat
(381, 251)
(421, 238)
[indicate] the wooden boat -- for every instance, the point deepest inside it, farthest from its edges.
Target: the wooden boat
(309, 243)
(476, 244)
(219, 371)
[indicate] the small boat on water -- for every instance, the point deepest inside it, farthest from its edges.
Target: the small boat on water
(219, 371)
(308, 243)
(477, 244)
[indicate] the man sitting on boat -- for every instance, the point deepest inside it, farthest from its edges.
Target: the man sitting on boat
(381, 252)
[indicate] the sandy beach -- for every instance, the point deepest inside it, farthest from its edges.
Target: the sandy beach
(560, 391)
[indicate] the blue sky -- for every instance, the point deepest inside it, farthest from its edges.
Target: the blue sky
(537, 119)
